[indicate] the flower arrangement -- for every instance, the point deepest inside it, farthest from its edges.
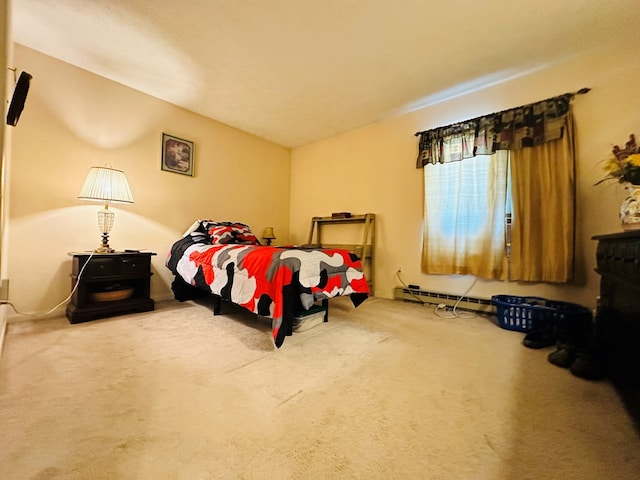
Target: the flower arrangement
(624, 164)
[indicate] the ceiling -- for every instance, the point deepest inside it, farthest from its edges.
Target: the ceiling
(296, 71)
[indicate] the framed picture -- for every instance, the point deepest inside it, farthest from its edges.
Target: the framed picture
(177, 155)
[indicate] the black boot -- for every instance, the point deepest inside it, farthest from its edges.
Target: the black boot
(564, 355)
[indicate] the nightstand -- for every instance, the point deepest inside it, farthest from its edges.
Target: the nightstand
(111, 284)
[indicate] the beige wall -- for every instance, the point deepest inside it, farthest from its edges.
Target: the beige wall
(372, 170)
(74, 120)
(5, 36)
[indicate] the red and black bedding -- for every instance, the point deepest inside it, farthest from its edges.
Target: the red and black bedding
(226, 259)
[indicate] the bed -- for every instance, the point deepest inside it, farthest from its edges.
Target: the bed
(226, 260)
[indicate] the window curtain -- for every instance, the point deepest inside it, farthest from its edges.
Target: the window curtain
(464, 211)
(527, 126)
(543, 190)
(538, 138)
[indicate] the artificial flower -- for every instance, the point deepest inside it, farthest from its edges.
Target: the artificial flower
(624, 164)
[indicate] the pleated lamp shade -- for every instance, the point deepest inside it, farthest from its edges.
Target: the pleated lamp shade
(105, 184)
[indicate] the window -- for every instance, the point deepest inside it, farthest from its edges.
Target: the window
(464, 207)
(519, 161)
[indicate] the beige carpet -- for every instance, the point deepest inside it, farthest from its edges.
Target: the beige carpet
(384, 391)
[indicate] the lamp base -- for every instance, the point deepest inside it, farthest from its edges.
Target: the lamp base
(104, 248)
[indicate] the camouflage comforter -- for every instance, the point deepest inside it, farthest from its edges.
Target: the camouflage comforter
(273, 282)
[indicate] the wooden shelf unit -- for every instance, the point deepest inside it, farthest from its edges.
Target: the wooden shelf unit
(365, 250)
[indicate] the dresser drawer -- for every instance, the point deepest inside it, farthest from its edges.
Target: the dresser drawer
(99, 267)
(621, 258)
(113, 265)
(134, 265)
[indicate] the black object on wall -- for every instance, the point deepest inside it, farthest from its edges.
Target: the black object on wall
(18, 99)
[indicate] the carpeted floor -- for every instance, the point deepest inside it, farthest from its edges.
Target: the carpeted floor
(387, 390)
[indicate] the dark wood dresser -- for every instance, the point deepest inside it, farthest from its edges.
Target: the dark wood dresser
(618, 313)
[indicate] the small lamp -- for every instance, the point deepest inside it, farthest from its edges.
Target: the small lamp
(107, 185)
(268, 235)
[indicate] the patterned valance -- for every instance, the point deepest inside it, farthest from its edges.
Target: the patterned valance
(525, 126)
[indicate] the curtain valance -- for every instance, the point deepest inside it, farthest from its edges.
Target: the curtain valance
(525, 126)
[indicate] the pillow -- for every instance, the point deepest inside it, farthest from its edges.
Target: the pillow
(229, 233)
(195, 227)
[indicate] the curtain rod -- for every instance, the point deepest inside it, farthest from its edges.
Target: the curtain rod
(582, 91)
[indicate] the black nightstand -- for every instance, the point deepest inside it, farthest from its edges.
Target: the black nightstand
(111, 284)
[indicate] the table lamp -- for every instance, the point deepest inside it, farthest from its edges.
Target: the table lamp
(107, 185)
(268, 235)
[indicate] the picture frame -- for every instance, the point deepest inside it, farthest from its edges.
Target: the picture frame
(177, 155)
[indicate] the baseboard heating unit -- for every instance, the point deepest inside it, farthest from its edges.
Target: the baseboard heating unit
(435, 298)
